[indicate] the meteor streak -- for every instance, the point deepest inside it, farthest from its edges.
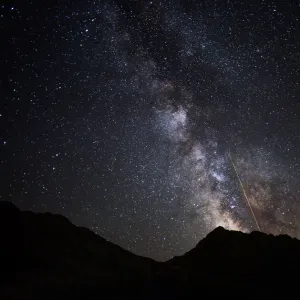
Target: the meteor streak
(244, 191)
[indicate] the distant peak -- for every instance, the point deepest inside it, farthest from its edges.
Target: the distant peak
(6, 206)
(217, 234)
(218, 231)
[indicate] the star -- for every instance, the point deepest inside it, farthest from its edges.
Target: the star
(123, 116)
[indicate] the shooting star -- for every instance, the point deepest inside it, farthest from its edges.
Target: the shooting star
(244, 191)
(112, 164)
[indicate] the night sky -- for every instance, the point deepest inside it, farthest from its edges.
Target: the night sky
(122, 115)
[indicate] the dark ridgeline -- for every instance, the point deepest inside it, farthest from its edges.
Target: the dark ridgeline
(44, 256)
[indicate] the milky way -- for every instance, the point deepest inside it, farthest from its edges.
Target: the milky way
(122, 116)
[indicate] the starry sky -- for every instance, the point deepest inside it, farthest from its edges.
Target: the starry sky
(123, 116)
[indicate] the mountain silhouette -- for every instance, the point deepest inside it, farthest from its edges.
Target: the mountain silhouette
(45, 256)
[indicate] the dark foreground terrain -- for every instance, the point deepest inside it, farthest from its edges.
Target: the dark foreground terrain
(44, 256)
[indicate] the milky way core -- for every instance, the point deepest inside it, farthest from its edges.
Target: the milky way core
(121, 116)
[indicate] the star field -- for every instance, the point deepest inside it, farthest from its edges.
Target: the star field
(121, 116)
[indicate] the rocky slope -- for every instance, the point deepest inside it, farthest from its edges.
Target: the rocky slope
(228, 263)
(44, 256)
